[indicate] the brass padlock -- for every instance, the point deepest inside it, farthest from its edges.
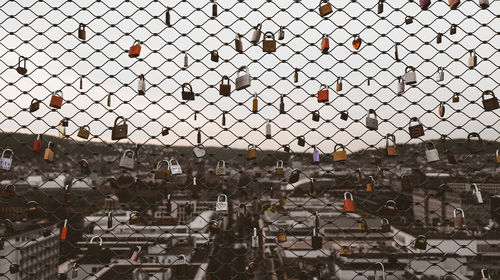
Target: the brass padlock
(498, 156)
(392, 150)
(340, 155)
(251, 152)
(255, 103)
(279, 168)
(269, 43)
(370, 184)
(416, 130)
(458, 218)
(363, 225)
(339, 84)
(472, 59)
(442, 109)
(84, 132)
(385, 225)
(325, 9)
(281, 235)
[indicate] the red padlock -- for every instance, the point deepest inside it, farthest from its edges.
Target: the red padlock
(64, 230)
(56, 100)
(135, 50)
(323, 94)
(349, 205)
(325, 44)
(38, 144)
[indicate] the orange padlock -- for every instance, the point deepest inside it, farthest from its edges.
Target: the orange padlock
(135, 50)
(349, 205)
(56, 100)
(323, 94)
(325, 44)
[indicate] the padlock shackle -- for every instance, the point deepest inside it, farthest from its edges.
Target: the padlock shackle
(476, 189)
(390, 137)
(225, 77)
(279, 163)
(138, 43)
(187, 85)
(323, 1)
(81, 26)
(254, 232)
(323, 87)
(497, 152)
(75, 266)
(242, 68)
(65, 224)
(372, 111)
(486, 92)
(348, 193)
(251, 146)
(223, 163)
(383, 270)
(162, 161)
(474, 134)
(222, 196)
(240, 207)
(138, 249)
(6, 187)
(19, 61)
(338, 145)
(141, 77)
(49, 145)
(34, 100)
(384, 221)
(118, 118)
(7, 150)
(411, 69)
(57, 91)
(414, 119)
(92, 240)
(372, 179)
(430, 146)
(483, 273)
(391, 202)
(269, 34)
(126, 152)
(183, 258)
(172, 161)
(461, 211)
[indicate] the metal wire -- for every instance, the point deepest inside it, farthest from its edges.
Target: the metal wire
(374, 47)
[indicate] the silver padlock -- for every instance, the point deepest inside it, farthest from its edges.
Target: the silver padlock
(410, 75)
(6, 162)
(186, 63)
(255, 239)
(371, 121)
(175, 167)
(199, 151)
(440, 74)
(243, 81)
(472, 59)
(477, 192)
(431, 153)
(141, 88)
(484, 4)
(221, 170)
(401, 85)
(128, 161)
(268, 129)
(221, 204)
(256, 34)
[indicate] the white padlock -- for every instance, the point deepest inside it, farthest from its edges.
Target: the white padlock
(175, 167)
(6, 162)
(243, 81)
(221, 204)
(410, 75)
(268, 129)
(256, 34)
(141, 88)
(127, 161)
(440, 74)
(478, 193)
(255, 239)
(401, 85)
(431, 153)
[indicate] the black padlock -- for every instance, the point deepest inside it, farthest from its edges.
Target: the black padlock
(380, 7)
(286, 148)
(421, 242)
(64, 122)
(282, 105)
(344, 115)
(214, 56)
(315, 116)
(301, 141)
(214, 9)
(453, 29)
(439, 38)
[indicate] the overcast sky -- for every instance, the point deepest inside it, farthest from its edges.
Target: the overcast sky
(113, 26)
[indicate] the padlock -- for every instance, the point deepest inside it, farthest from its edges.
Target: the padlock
(273, 208)
(421, 242)
(241, 216)
(223, 118)
(439, 38)
(349, 205)
(167, 17)
(110, 220)
(8, 191)
(385, 226)
(62, 129)
(84, 132)
(371, 120)
(141, 87)
(451, 157)
(6, 161)
(257, 32)
(221, 204)
(401, 85)
(181, 268)
(416, 130)
(390, 208)
(34, 106)
(286, 148)
(296, 75)
(127, 160)
(315, 155)
(431, 153)
(325, 9)
(442, 109)
(453, 4)
(220, 170)
(164, 131)
(359, 176)
(345, 250)
(356, 43)
(339, 84)
(301, 141)
(475, 146)
(134, 218)
(498, 156)
(84, 167)
(269, 43)
(186, 60)
(135, 254)
(410, 75)
(344, 115)
(406, 183)
(458, 218)
(340, 155)
(57, 99)
(214, 9)
(225, 89)
(82, 35)
(162, 172)
(440, 74)
(199, 151)
(484, 4)
(64, 230)
(409, 20)
(251, 152)
(119, 131)
(396, 53)
(238, 43)
(14, 268)
(198, 136)
(391, 149)
(33, 209)
(424, 4)
(243, 81)
(453, 29)
(21, 70)
(315, 116)
(455, 98)
(187, 92)
(74, 271)
(323, 94)
(281, 33)
(175, 167)
(255, 103)
(477, 192)
(370, 184)
(380, 7)
(294, 176)
(214, 56)
(250, 270)
(325, 44)
(48, 155)
(485, 274)
(279, 168)
(363, 225)
(95, 249)
(491, 103)
(472, 59)
(316, 240)
(255, 239)
(281, 235)
(135, 49)
(268, 130)
(282, 104)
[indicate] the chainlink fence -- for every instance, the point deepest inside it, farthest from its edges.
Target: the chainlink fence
(249, 139)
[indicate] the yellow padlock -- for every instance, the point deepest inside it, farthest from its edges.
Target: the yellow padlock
(370, 184)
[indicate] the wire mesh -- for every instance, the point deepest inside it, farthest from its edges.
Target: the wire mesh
(249, 140)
